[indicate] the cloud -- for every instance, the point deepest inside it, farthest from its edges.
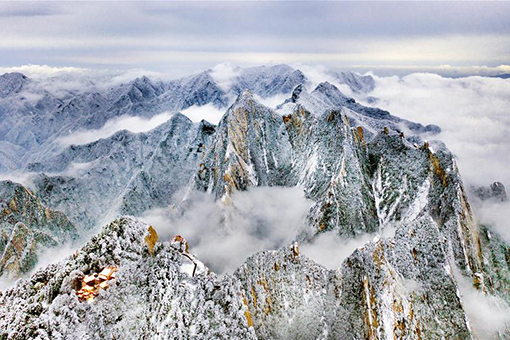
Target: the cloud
(330, 250)
(208, 112)
(496, 215)
(23, 178)
(224, 75)
(224, 236)
(130, 123)
(443, 70)
(45, 257)
(44, 71)
(151, 34)
(487, 314)
(27, 10)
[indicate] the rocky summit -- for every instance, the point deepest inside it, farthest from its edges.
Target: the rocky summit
(365, 171)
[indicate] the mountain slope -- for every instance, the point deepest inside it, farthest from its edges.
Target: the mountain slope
(126, 173)
(152, 296)
(28, 227)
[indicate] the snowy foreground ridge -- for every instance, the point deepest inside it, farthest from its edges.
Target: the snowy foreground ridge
(365, 172)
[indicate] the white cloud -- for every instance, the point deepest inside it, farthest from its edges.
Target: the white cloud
(224, 75)
(44, 71)
(23, 178)
(130, 123)
(272, 102)
(487, 314)
(496, 215)
(208, 112)
(444, 70)
(330, 250)
(224, 236)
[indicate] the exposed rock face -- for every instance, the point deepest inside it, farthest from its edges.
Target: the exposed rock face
(250, 148)
(496, 191)
(386, 289)
(327, 96)
(400, 287)
(27, 227)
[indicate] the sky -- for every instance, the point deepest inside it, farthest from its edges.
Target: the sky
(179, 38)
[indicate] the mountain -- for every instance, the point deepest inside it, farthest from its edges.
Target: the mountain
(28, 227)
(267, 81)
(401, 287)
(356, 82)
(368, 175)
(35, 114)
(12, 83)
(126, 172)
(327, 96)
(250, 148)
(503, 76)
(152, 296)
(495, 191)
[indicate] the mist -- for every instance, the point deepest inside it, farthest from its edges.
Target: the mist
(488, 315)
(330, 250)
(473, 113)
(223, 236)
(130, 123)
(208, 112)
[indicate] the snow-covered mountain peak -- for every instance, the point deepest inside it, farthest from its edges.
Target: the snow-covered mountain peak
(243, 99)
(12, 83)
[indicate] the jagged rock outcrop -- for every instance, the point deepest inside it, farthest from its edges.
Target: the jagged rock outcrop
(250, 148)
(28, 227)
(327, 96)
(33, 117)
(400, 287)
(496, 191)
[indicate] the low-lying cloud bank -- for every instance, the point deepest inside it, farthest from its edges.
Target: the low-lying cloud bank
(223, 236)
(489, 315)
(330, 250)
(209, 112)
(496, 215)
(130, 123)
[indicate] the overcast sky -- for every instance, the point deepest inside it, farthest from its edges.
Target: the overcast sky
(179, 37)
